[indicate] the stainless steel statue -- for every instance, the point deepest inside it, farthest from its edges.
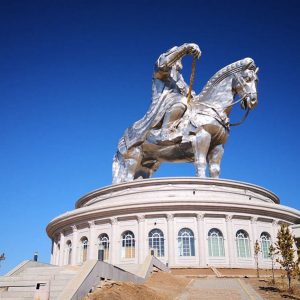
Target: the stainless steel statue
(177, 130)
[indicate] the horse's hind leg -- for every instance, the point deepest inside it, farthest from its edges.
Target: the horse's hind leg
(117, 168)
(153, 168)
(214, 159)
(132, 163)
(201, 144)
(146, 171)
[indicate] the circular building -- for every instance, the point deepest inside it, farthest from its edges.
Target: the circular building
(187, 222)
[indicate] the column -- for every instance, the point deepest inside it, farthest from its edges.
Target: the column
(114, 243)
(56, 250)
(54, 256)
(52, 252)
(275, 231)
(254, 237)
(171, 247)
(75, 246)
(92, 245)
(201, 240)
(62, 249)
(253, 229)
(230, 240)
(141, 239)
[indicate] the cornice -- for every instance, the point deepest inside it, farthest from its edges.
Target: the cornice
(256, 208)
(173, 182)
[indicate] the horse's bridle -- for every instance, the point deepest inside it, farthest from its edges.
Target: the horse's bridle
(219, 118)
(246, 95)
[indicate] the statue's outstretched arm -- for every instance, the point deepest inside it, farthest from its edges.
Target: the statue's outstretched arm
(168, 59)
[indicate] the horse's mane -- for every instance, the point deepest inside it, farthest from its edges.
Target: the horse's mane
(240, 65)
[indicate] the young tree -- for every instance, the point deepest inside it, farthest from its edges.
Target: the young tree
(285, 246)
(256, 253)
(298, 263)
(272, 253)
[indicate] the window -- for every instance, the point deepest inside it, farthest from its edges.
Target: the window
(84, 249)
(128, 245)
(104, 242)
(69, 252)
(265, 240)
(242, 244)
(215, 243)
(156, 242)
(186, 242)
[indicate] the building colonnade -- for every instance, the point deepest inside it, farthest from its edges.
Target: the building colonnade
(191, 240)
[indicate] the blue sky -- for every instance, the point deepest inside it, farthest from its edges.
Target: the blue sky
(74, 74)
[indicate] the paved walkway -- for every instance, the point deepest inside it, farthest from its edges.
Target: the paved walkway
(219, 288)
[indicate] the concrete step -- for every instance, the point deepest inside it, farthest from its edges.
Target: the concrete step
(56, 288)
(31, 285)
(41, 271)
(28, 278)
(14, 295)
(60, 282)
(23, 285)
(25, 278)
(69, 272)
(50, 267)
(14, 298)
(16, 282)
(29, 288)
(17, 294)
(54, 295)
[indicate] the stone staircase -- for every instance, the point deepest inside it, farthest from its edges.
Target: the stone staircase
(23, 283)
(38, 281)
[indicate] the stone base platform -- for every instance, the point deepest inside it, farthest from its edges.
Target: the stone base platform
(185, 222)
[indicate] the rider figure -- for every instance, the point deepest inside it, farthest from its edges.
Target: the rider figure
(169, 90)
(169, 99)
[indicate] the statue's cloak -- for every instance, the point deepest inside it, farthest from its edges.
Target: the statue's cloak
(164, 95)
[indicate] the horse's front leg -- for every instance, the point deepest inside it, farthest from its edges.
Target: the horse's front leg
(201, 143)
(214, 160)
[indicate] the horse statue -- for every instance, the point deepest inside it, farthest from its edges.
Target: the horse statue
(200, 134)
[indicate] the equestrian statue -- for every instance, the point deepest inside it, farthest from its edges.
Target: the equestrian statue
(181, 126)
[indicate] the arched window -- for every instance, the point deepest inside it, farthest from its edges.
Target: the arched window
(68, 252)
(128, 244)
(104, 242)
(186, 242)
(84, 248)
(242, 244)
(156, 242)
(265, 240)
(215, 243)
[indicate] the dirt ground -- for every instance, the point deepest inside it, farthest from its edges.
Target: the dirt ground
(249, 272)
(167, 286)
(277, 291)
(193, 271)
(160, 286)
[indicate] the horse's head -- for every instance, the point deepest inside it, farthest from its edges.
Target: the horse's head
(245, 85)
